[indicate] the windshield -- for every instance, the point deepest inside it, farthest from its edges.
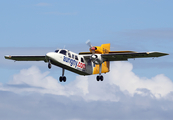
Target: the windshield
(56, 51)
(63, 52)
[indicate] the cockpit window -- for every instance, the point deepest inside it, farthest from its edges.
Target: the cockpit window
(56, 51)
(63, 52)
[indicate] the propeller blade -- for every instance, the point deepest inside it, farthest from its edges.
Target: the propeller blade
(92, 50)
(89, 43)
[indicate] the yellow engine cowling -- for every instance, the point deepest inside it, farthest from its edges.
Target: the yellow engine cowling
(103, 49)
(105, 68)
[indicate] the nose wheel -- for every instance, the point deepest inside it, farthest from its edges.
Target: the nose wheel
(49, 65)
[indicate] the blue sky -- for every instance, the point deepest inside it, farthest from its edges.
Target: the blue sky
(37, 27)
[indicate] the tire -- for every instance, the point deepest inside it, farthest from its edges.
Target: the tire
(49, 66)
(60, 79)
(98, 78)
(64, 79)
(101, 78)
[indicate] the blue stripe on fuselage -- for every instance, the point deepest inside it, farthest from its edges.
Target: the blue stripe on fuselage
(71, 61)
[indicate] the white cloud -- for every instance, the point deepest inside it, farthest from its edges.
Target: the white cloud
(39, 81)
(122, 95)
(121, 78)
(122, 75)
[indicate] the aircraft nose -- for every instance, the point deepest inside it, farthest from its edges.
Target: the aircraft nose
(50, 55)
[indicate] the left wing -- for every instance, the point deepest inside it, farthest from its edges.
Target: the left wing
(26, 58)
(126, 56)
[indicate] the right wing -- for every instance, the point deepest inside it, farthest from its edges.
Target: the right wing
(126, 56)
(26, 58)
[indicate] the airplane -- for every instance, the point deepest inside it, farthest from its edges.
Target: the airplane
(96, 61)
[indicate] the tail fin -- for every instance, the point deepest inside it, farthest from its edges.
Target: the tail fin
(106, 48)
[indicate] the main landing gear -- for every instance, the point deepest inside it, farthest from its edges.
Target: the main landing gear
(100, 77)
(62, 78)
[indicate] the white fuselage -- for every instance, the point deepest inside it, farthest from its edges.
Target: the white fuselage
(70, 61)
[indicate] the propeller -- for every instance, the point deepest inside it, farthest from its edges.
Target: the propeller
(88, 43)
(91, 47)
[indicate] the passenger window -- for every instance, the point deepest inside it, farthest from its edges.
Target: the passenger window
(63, 52)
(72, 56)
(82, 60)
(69, 55)
(76, 58)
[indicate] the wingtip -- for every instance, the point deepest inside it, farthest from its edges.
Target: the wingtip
(158, 54)
(163, 54)
(7, 56)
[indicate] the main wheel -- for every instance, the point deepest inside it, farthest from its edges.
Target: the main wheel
(64, 78)
(98, 78)
(101, 78)
(60, 79)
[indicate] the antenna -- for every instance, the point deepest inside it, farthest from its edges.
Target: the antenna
(64, 47)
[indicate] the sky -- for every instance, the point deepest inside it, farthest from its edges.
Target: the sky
(134, 89)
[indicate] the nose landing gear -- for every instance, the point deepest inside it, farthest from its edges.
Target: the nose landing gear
(49, 65)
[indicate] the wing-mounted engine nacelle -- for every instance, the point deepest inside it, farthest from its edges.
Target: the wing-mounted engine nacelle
(97, 59)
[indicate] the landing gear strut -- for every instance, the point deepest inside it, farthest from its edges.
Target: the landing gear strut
(49, 65)
(62, 78)
(100, 77)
